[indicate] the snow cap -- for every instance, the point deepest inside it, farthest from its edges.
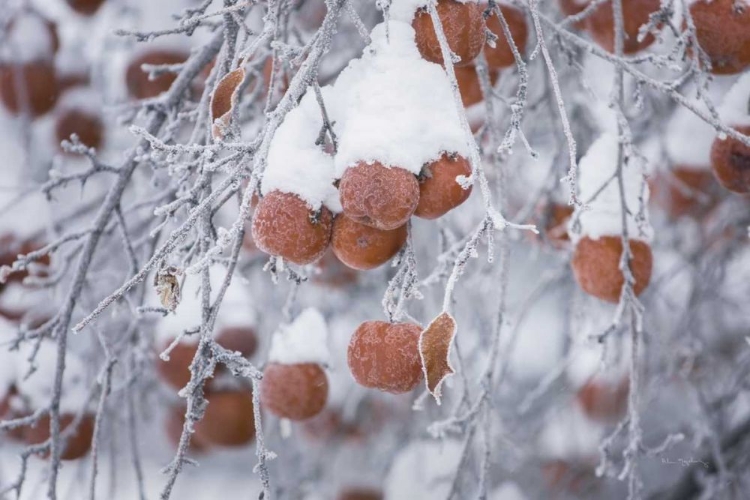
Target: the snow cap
(394, 107)
(296, 164)
(30, 39)
(688, 140)
(597, 177)
(735, 109)
(305, 340)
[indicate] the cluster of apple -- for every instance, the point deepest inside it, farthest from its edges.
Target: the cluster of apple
(46, 75)
(37, 79)
(688, 187)
(374, 198)
(228, 420)
(377, 202)
(464, 26)
(720, 27)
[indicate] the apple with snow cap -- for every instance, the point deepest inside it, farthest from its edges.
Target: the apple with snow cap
(295, 385)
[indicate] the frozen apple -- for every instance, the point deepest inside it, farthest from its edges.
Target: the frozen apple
(635, 14)
(439, 190)
(295, 391)
(379, 196)
(385, 356)
(730, 161)
(228, 420)
(286, 226)
(137, 80)
(501, 56)
(75, 447)
(685, 191)
(721, 27)
(596, 266)
(363, 247)
(463, 25)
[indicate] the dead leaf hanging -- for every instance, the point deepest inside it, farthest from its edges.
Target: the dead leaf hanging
(224, 100)
(168, 287)
(434, 349)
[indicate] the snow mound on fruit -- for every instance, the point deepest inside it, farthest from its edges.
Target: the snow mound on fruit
(735, 109)
(394, 107)
(695, 152)
(296, 164)
(305, 340)
(84, 99)
(390, 106)
(237, 308)
(600, 192)
(30, 39)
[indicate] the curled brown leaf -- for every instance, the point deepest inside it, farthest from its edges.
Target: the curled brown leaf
(434, 349)
(224, 100)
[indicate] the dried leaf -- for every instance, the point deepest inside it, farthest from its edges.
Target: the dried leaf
(435, 349)
(168, 287)
(224, 100)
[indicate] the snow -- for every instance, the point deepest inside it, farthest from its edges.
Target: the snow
(593, 361)
(394, 107)
(7, 358)
(688, 140)
(38, 387)
(604, 214)
(237, 309)
(305, 340)
(569, 434)
(28, 215)
(69, 61)
(424, 469)
(17, 297)
(296, 164)
(390, 106)
(29, 39)
(536, 348)
(735, 109)
(403, 10)
(507, 491)
(81, 98)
